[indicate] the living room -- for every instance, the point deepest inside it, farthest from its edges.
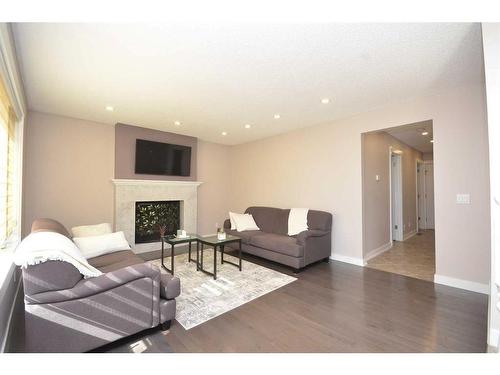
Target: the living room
(226, 198)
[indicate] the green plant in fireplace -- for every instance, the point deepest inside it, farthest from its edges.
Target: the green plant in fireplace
(153, 218)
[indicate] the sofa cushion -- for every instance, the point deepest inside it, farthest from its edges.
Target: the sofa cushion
(49, 225)
(114, 261)
(91, 230)
(170, 286)
(320, 220)
(94, 246)
(51, 275)
(270, 219)
(246, 235)
(278, 243)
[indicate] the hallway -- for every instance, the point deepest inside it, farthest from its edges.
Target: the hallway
(414, 257)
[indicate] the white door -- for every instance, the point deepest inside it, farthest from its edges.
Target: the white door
(396, 198)
(429, 195)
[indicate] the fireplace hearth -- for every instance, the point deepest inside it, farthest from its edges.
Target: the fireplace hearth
(149, 216)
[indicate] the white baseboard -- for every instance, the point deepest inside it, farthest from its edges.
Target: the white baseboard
(462, 284)
(346, 259)
(379, 250)
(410, 234)
(493, 338)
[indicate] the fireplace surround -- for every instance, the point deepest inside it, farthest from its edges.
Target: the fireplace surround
(128, 192)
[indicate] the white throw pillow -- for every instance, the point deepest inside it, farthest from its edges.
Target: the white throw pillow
(91, 230)
(244, 222)
(297, 221)
(231, 219)
(94, 246)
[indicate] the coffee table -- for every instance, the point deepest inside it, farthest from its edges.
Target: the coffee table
(214, 242)
(172, 241)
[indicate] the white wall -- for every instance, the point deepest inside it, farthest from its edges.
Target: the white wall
(491, 45)
(213, 194)
(68, 167)
(320, 167)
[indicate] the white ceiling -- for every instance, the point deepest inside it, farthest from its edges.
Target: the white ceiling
(411, 134)
(219, 78)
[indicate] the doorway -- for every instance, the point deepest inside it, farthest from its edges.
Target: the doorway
(398, 200)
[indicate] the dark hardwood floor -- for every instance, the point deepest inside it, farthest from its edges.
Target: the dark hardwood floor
(338, 307)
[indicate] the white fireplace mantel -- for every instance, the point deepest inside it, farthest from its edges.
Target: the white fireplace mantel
(122, 181)
(127, 192)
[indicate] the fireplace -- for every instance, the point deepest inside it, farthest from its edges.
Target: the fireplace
(149, 216)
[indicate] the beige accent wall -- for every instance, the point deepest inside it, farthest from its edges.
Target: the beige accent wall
(376, 194)
(69, 165)
(125, 138)
(320, 167)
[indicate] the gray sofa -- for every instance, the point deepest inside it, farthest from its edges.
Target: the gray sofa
(273, 243)
(66, 313)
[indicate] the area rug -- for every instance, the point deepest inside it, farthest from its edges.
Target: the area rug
(203, 298)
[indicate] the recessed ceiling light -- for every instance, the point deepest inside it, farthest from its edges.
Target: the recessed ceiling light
(224, 133)
(432, 140)
(109, 108)
(277, 116)
(247, 126)
(325, 100)
(425, 133)
(177, 123)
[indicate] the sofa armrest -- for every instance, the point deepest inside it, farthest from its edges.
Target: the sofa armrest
(100, 284)
(303, 236)
(170, 286)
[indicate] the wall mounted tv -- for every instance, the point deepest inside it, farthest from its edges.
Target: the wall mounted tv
(162, 158)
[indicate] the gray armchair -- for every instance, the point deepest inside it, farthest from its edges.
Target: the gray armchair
(66, 313)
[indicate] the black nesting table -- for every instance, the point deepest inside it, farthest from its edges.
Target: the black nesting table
(172, 241)
(210, 241)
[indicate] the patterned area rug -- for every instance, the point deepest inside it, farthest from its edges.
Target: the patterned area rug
(203, 298)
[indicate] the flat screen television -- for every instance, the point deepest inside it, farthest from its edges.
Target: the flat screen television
(162, 158)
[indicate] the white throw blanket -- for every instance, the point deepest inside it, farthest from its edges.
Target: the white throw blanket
(41, 247)
(297, 221)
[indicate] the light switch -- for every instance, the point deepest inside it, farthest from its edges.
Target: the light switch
(377, 177)
(463, 198)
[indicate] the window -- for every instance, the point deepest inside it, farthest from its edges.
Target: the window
(8, 170)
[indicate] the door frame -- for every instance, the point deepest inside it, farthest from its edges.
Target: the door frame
(417, 189)
(399, 196)
(424, 197)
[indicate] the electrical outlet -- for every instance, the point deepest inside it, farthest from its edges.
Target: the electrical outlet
(463, 198)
